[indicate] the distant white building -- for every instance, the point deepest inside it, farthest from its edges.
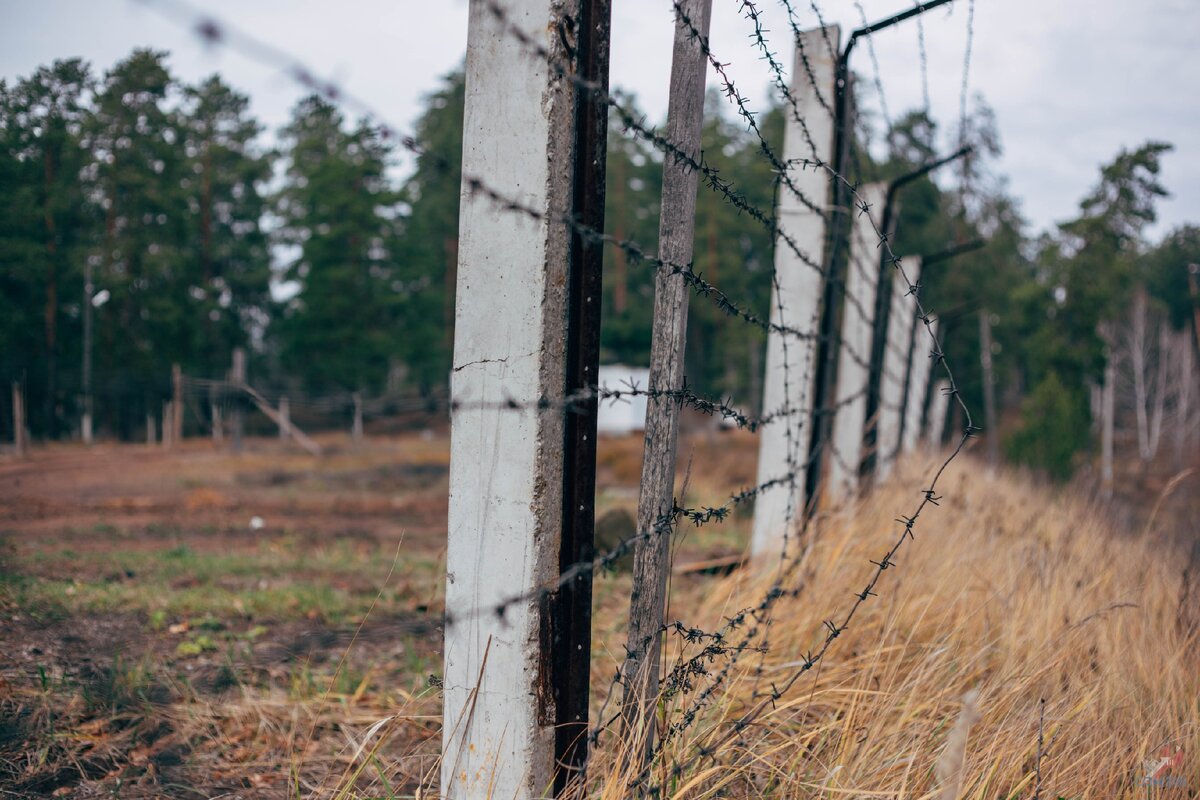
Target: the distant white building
(623, 414)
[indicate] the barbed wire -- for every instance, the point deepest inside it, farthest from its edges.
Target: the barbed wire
(683, 676)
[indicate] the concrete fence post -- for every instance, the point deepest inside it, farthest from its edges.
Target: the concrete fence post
(796, 297)
(895, 367)
(918, 385)
(517, 280)
(854, 349)
(939, 405)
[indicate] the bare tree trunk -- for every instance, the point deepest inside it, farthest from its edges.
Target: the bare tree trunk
(1106, 428)
(1183, 395)
(989, 388)
(1160, 393)
(1137, 360)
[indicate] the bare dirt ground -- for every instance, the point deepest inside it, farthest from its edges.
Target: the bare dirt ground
(194, 623)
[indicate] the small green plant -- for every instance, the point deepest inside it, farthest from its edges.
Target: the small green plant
(194, 647)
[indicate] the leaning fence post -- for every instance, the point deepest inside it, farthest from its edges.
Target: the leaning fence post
(895, 366)
(796, 296)
(854, 349)
(685, 116)
(516, 281)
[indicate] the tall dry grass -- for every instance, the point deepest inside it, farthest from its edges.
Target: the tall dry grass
(1012, 592)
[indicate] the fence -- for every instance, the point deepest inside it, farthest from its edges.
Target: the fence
(850, 350)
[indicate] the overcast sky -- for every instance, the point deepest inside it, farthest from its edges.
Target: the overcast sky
(1071, 81)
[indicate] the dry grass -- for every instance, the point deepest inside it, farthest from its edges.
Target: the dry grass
(1010, 593)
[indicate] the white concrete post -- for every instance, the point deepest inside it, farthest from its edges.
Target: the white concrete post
(895, 366)
(854, 350)
(939, 404)
(918, 385)
(783, 444)
(505, 519)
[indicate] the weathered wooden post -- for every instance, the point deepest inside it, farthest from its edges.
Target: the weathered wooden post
(685, 116)
(796, 296)
(166, 426)
(918, 384)
(176, 404)
(85, 421)
(18, 419)
(237, 377)
(517, 645)
(895, 367)
(151, 433)
(356, 427)
(854, 349)
(285, 417)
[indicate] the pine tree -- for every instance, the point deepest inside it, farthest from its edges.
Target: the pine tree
(228, 260)
(45, 223)
(338, 213)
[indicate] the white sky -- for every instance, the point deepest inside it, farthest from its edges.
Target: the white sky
(1071, 81)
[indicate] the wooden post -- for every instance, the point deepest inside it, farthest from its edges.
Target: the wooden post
(854, 349)
(85, 423)
(685, 116)
(795, 298)
(989, 388)
(508, 389)
(285, 416)
(237, 377)
(176, 404)
(214, 415)
(18, 419)
(895, 367)
(356, 427)
(151, 435)
(939, 404)
(919, 367)
(165, 426)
